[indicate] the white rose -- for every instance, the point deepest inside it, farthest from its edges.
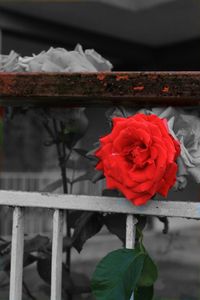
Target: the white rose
(61, 60)
(186, 128)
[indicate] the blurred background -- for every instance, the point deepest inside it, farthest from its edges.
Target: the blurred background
(135, 35)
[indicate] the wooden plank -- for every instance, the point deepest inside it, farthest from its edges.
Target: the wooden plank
(112, 88)
(168, 208)
(131, 221)
(17, 255)
(57, 251)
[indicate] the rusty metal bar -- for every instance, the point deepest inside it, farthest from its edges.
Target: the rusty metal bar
(87, 89)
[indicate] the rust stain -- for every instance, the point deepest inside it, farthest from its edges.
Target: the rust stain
(152, 76)
(101, 77)
(165, 89)
(121, 77)
(138, 88)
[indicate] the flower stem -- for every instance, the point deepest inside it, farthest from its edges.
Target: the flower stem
(63, 158)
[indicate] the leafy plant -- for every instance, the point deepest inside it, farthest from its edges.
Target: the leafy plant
(122, 271)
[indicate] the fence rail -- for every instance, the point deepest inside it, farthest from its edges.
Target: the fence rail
(109, 88)
(190, 210)
(35, 182)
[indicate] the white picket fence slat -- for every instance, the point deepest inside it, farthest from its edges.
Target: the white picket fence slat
(57, 251)
(131, 221)
(17, 252)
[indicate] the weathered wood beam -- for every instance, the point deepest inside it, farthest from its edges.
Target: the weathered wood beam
(113, 88)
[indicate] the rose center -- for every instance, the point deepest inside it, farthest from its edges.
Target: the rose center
(138, 155)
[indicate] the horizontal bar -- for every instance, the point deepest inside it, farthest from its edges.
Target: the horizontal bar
(17, 252)
(111, 88)
(190, 210)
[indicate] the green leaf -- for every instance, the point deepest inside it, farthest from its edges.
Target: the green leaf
(44, 271)
(81, 152)
(28, 259)
(120, 111)
(117, 274)
(116, 224)
(70, 138)
(97, 176)
(111, 193)
(51, 187)
(144, 293)
(5, 249)
(92, 175)
(67, 243)
(84, 153)
(5, 262)
(81, 283)
(165, 222)
(73, 217)
(75, 124)
(87, 176)
(86, 226)
(37, 243)
(142, 221)
(149, 272)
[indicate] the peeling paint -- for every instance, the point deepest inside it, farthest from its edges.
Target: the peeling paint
(101, 77)
(165, 89)
(138, 88)
(122, 77)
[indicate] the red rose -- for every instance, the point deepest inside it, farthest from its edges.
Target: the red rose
(138, 157)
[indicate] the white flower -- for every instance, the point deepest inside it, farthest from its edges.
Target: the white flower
(185, 127)
(61, 60)
(56, 60)
(98, 61)
(9, 63)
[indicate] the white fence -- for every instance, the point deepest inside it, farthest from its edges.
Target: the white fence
(21, 200)
(35, 182)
